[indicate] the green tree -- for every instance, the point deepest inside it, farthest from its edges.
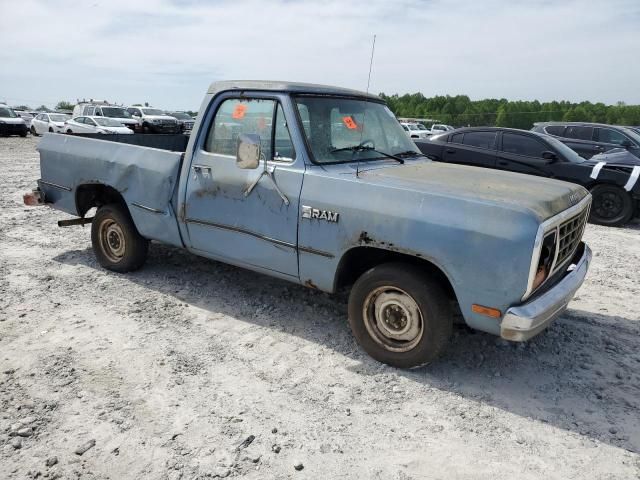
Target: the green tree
(64, 105)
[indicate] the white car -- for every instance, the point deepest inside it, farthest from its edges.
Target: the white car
(440, 128)
(415, 130)
(154, 120)
(119, 114)
(48, 122)
(96, 125)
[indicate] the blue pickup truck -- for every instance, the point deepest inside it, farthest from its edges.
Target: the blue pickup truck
(321, 186)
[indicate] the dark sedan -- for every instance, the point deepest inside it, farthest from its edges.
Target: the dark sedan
(589, 139)
(612, 178)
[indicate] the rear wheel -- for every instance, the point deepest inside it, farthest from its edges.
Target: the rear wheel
(611, 205)
(399, 315)
(116, 242)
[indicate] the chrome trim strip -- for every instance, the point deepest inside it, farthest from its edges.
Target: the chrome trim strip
(315, 252)
(240, 230)
(149, 209)
(546, 227)
(61, 187)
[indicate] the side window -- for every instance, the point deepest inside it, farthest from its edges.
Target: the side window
(579, 133)
(480, 139)
(283, 149)
(80, 120)
(457, 138)
(89, 110)
(40, 117)
(237, 116)
(556, 130)
(608, 135)
(522, 145)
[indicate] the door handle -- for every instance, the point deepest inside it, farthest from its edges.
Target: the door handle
(451, 150)
(201, 168)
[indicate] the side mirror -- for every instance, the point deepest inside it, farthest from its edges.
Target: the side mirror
(626, 144)
(248, 151)
(549, 156)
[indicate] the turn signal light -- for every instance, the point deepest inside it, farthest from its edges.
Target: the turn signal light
(486, 311)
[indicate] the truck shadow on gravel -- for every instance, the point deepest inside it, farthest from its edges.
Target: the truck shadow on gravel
(581, 375)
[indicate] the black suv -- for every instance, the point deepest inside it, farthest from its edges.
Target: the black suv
(589, 139)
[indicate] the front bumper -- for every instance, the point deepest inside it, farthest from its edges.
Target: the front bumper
(524, 321)
(13, 129)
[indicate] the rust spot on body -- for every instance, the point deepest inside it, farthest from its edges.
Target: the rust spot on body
(309, 283)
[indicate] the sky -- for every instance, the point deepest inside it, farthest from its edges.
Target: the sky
(167, 52)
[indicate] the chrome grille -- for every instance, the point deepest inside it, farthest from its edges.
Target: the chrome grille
(569, 236)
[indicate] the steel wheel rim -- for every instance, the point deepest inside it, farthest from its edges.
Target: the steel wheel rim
(608, 205)
(393, 319)
(112, 240)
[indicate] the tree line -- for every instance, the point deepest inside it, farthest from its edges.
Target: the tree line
(460, 110)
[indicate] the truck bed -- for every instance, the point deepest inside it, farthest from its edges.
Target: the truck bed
(144, 169)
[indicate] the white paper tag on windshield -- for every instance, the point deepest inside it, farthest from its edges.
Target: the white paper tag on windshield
(633, 178)
(596, 170)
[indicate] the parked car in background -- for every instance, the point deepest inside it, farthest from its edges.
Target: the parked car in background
(437, 128)
(96, 125)
(612, 181)
(154, 120)
(414, 130)
(11, 123)
(26, 116)
(114, 112)
(185, 121)
(589, 139)
(48, 122)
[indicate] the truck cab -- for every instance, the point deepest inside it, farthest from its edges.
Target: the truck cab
(321, 186)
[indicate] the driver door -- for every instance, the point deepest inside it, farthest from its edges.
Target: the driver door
(256, 229)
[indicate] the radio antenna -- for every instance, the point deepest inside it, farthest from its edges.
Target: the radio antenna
(373, 49)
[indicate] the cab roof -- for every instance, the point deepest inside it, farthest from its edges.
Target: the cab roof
(288, 87)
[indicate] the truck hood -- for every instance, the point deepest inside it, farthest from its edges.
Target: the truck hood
(124, 120)
(541, 196)
(159, 117)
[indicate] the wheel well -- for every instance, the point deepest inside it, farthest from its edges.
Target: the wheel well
(360, 259)
(95, 195)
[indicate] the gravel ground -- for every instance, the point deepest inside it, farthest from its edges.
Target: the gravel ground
(194, 369)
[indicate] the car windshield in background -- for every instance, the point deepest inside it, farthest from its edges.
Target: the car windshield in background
(180, 116)
(152, 111)
(115, 112)
(7, 113)
(107, 122)
(568, 153)
(421, 127)
(341, 130)
(635, 136)
(59, 117)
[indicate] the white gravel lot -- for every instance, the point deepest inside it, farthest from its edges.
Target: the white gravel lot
(194, 369)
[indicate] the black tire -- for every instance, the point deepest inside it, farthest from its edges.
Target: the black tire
(24, 134)
(50, 130)
(401, 287)
(146, 128)
(611, 206)
(116, 242)
(33, 131)
(69, 131)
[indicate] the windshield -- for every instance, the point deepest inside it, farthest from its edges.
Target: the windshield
(633, 134)
(7, 112)
(569, 154)
(152, 111)
(56, 117)
(180, 116)
(107, 122)
(421, 126)
(332, 123)
(115, 112)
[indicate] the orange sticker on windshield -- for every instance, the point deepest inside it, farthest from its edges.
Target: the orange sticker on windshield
(239, 111)
(350, 123)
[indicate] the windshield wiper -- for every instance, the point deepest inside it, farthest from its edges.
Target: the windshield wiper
(362, 148)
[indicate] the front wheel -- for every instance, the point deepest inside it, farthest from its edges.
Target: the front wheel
(611, 205)
(33, 131)
(399, 315)
(116, 242)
